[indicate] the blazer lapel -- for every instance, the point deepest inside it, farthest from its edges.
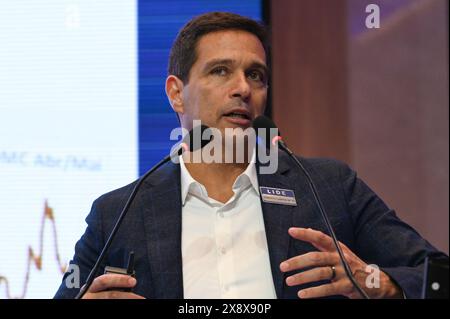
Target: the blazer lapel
(162, 223)
(277, 220)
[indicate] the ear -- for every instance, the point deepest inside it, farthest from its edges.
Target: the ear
(174, 92)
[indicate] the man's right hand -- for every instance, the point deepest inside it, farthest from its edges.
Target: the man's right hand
(103, 287)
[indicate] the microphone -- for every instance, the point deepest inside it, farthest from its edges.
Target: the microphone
(194, 140)
(185, 145)
(263, 124)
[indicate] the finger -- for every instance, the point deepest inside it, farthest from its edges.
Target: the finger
(311, 259)
(109, 281)
(112, 295)
(318, 239)
(313, 275)
(332, 289)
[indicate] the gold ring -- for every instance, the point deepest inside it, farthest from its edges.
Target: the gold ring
(333, 272)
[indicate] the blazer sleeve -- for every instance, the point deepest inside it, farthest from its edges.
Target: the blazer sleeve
(87, 250)
(383, 239)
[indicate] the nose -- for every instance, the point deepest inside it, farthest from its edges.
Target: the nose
(241, 87)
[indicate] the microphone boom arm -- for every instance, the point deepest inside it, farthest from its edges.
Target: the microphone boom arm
(347, 269)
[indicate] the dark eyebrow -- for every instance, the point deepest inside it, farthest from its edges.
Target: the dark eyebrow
(229, 62)
(210, 64)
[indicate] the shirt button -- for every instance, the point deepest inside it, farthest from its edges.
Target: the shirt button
(223, 251)
(221, 215)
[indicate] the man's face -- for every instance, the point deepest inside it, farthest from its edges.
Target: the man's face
(227, 84)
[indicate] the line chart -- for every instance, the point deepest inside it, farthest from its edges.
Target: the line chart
(35, 258)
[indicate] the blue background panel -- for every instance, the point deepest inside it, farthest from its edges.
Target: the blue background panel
(158, 26)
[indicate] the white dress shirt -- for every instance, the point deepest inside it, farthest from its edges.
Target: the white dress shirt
(224, 246)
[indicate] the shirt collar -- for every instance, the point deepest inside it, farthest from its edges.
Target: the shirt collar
(190, 186)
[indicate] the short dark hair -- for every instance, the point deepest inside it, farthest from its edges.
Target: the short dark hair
(183, 52)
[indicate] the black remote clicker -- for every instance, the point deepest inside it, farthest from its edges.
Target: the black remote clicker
(129, 271)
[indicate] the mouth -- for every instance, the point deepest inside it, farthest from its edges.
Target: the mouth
(240, 117)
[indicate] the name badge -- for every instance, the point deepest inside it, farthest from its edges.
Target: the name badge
(278, 196)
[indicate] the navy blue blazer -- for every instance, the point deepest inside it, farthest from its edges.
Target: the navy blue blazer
(152, 229)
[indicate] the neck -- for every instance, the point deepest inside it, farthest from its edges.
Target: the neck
(218, 178)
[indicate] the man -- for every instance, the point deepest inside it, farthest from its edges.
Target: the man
(200, 230)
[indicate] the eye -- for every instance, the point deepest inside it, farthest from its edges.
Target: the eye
(220, 71)
(256, 75)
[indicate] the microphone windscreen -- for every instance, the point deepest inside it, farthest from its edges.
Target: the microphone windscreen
(265, 129)
(194, 140)
(263, 122)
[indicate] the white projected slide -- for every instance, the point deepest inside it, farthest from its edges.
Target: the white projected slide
(68, 129)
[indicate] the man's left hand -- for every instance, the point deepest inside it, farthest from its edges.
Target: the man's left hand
(325, 264)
